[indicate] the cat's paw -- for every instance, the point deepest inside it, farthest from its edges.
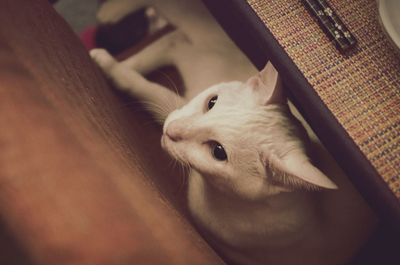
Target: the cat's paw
(103, 59)
(156, 22)
(110, 12)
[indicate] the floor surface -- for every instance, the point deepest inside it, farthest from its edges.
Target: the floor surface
(78, 13)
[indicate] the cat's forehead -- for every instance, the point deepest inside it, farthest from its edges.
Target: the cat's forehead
(227, 89)
(232, 93)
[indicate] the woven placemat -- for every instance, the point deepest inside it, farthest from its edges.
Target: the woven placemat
(362, 89)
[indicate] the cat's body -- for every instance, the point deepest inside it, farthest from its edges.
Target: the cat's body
(292, 228)
(252, 188)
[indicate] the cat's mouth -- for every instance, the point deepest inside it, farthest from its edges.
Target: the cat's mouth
(168, 145)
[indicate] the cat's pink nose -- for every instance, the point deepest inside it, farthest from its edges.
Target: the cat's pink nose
(174, 131)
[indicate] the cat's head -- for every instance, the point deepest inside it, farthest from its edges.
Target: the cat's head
(243, 139)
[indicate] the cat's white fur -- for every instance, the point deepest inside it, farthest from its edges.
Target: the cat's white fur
(267, 203)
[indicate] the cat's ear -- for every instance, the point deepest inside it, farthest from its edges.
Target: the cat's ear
(295, 171)
(268, 86)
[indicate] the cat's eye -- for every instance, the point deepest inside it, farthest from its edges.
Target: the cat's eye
(218, 151)
(212, 102)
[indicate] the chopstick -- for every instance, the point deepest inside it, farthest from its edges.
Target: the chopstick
(331, 24)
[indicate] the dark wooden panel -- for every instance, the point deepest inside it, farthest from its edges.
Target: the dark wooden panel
(81, 178)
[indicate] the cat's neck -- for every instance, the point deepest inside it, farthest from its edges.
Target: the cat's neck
(283, 218)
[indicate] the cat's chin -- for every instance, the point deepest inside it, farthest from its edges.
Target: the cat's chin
(166, 144)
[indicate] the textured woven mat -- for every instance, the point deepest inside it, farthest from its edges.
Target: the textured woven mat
(362, 90)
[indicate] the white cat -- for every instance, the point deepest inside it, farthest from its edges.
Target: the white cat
(253, 191)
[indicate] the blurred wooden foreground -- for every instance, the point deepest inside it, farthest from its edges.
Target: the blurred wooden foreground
(81, 180)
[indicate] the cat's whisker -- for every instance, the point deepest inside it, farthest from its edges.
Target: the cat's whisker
(129, 105)
(154, 105)
(153, 122)
(171, 164)
(162, 110)
(160, 120)
(150, 122)
(183, 175)
(174, 87)
(136, 107)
